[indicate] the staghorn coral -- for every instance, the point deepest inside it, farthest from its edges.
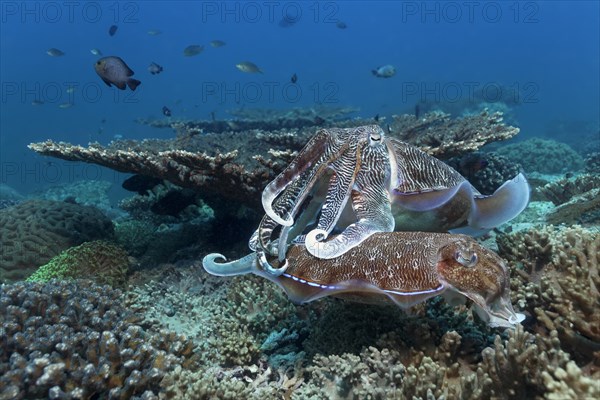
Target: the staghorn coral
(220, 174)
(541, 155)
(439, 135)
(100, 261)
(33, 232)
(79, 340)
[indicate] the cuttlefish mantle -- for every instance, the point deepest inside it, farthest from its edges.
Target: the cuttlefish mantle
(404, 268)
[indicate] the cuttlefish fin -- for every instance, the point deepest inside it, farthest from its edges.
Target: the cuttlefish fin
(505, 204)
(430, 200)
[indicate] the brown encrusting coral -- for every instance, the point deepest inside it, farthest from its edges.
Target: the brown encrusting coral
(33, 232)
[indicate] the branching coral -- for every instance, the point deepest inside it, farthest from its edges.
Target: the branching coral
(571, 291)
(79, 340)
(555, 277)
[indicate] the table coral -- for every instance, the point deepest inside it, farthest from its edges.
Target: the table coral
(33, 232)
(439, 135)
(100, 261)
(237, 163)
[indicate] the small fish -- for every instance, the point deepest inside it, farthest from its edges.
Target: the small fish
(217, 43)
(341, 25)
(113, 70)
(37, 102)
(112, 30)
(166, 112)
(376, 117)
(155, 69)
(248, 67)
(385, 71)
(55, 52)
(294, 78)
(71, 89)
(193, 50)
(65, 105)
(96, 52)
(287, 21)
(154, 32)
(117, 136)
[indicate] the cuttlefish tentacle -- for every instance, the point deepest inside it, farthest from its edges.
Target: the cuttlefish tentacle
(242, 266)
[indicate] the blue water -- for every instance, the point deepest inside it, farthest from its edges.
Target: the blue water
(549, 51)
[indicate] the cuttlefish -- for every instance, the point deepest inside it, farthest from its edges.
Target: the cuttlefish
(361, 182)
(404, 268)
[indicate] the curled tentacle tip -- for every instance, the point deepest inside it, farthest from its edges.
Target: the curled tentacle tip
(316, 235)
(212, 257)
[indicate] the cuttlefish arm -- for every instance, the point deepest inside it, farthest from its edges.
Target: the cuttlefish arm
(320, 151)
(371, 204)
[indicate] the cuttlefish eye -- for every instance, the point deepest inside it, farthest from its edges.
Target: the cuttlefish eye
(375, 137)
(466, 261)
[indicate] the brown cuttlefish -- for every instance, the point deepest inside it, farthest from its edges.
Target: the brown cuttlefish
(404, 268)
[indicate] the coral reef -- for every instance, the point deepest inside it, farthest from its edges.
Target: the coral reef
(486, 171)
(545, 156)
(8, 193)
(76, 340)
(87, 193)
(34, 231)
(247, 119)
(556, 283)
(583, 209)
(100, 261)
(576, 198)
(563, 190)
(439, 135)
(237, 162)
(592, 163)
